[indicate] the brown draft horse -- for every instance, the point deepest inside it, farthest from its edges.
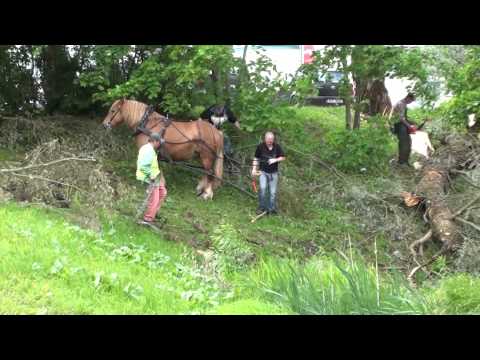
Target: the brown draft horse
(183, 140)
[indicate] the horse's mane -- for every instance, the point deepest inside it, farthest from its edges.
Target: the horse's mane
(133, 111)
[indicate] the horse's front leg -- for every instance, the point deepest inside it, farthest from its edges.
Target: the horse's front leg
(208, 192)
(208, 180)
(201, 185)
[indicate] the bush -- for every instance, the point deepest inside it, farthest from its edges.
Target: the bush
(369, 147)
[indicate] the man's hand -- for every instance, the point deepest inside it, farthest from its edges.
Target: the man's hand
(272, 161)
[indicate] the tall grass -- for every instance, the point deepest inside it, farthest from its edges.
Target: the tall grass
(328, 286)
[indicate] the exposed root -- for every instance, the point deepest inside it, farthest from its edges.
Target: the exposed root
(412, 273)
(420, 243)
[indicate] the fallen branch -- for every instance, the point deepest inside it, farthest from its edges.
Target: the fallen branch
(46, 164)
(463, 208)
(467, 179)
(468, 223)
(50, 180)
(325, 165)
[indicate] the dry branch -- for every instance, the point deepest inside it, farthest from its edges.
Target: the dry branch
(46, 164)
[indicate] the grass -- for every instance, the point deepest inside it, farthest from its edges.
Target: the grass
(326, 286)
(50, 266)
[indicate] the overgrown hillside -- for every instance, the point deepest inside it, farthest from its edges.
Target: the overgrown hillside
(338, 246)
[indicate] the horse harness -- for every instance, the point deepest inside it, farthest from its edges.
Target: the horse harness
(142, 129)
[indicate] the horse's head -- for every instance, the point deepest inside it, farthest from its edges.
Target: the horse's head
(115, 115)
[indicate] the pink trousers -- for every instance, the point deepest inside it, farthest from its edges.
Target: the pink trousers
(155, 201)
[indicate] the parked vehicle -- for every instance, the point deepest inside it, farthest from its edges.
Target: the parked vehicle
(327, 87)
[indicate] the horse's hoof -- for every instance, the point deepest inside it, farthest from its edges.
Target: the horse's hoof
(206, 196)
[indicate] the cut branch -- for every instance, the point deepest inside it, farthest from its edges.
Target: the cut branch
(46, 164)
(50, 180)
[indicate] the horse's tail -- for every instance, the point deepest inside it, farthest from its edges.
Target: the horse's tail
(218, 165)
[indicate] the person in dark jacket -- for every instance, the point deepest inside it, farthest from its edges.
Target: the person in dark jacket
(217, 115)
(403, 127)
(268, 154)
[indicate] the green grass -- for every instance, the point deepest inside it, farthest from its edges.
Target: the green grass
(458, 294)
(324, 286)
(252, 307)
(50, 266)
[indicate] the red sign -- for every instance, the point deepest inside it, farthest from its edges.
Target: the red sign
(308, 54)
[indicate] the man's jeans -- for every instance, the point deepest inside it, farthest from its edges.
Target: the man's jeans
(268, 183)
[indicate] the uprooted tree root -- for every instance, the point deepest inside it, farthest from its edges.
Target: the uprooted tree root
(458, 153)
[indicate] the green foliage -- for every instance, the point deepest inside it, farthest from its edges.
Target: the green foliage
(369, 147)
(18, 88)
(363, 64)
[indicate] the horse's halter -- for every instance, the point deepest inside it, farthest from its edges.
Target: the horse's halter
(108, 125)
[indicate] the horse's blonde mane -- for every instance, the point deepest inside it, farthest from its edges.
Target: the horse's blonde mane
(133, 111)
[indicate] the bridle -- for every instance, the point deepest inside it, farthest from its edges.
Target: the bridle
(109, 124)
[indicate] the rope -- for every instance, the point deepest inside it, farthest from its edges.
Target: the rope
(203, 171)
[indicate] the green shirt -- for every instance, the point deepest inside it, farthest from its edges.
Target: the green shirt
(147, 163)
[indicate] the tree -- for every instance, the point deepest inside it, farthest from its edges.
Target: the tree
(459, 67)
(57, 74)
(18, 88)
(366, 66)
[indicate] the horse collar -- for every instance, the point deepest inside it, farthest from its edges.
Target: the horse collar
(141, 128)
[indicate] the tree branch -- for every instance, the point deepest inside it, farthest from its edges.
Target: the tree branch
(46, 164)
(463, 208)
(468, 223)
(50, 180)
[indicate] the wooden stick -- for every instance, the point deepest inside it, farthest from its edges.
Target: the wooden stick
(258, 216)
(46, 164)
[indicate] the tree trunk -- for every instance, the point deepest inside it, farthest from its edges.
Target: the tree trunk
(379, 101)
(348, 115)
(359, 96)
(458, 152)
